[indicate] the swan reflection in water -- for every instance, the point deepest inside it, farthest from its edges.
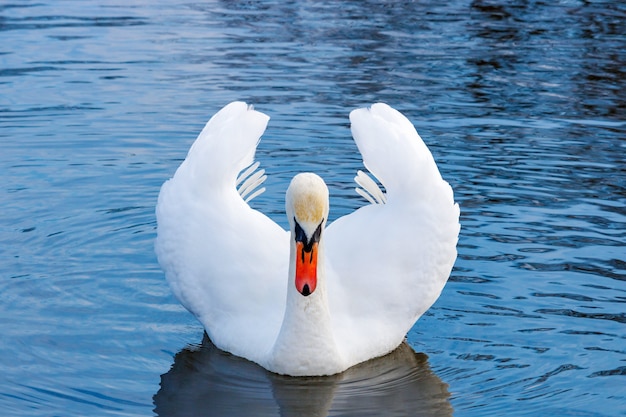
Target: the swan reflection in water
(207, 381)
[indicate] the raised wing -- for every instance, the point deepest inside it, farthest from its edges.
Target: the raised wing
(224, 260)
(388, 261)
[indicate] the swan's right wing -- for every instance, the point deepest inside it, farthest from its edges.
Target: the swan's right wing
(225, 262)
(388, 261)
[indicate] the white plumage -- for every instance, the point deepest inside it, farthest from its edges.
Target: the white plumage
(378, 269)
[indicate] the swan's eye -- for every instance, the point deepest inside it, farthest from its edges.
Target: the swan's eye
(318, 233)
(300, 235)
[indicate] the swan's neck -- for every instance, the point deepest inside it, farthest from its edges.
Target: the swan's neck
(305, 344)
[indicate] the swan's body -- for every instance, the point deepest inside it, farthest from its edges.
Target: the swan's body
(314, 300)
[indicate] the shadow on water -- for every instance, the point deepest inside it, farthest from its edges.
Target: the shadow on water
(205, 379)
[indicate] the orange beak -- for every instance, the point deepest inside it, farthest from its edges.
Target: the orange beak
(306, 268)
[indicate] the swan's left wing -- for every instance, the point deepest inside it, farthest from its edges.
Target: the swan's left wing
(225, 262)
(388, 261)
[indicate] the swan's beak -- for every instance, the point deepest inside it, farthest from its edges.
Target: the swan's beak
(306, 269)
(306, 260)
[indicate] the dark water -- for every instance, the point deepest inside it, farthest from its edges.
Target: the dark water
(523, 106)
(205, 378)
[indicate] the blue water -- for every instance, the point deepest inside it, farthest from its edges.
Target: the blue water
(523, 106)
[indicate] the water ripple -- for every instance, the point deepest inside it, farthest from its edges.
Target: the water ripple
(204, 378)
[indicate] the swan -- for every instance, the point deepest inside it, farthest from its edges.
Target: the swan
(316, 299)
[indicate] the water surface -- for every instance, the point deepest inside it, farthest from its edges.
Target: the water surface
(522, 105)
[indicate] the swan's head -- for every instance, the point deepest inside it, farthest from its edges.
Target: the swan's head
(307, 210)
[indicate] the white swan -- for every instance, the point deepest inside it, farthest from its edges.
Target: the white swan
(311, 300)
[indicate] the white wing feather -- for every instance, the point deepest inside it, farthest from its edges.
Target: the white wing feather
(387, 263)
(224, 261)
(251, 179)
(369, 189)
